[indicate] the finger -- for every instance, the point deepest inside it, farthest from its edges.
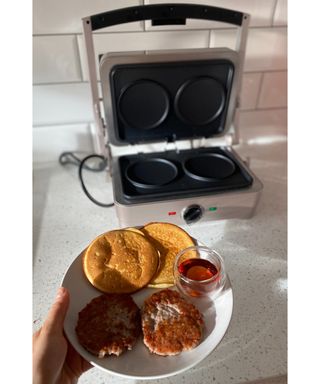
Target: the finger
(36, 334)
(58, 311)
(77, 360)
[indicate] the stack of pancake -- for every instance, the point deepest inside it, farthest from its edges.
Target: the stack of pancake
(126, 260)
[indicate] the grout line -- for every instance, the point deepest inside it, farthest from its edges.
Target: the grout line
(52, 125)
(274, 11)
(61, 83)
(263, 109)
(209, 38)
(79, 58)
(259, 91)
(99, 81)
(159, 30)
(212, 39)
(267, 71)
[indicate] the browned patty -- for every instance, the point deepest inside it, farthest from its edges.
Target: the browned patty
(109, 324)
(170, 324)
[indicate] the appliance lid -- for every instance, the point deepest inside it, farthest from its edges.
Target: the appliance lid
(169, 96)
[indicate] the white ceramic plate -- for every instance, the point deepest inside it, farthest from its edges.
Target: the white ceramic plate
(139, 363)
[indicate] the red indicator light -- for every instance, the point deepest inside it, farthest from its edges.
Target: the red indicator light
(172, 213)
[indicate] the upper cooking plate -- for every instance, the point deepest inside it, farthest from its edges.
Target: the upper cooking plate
(143, 104)
(167, 100)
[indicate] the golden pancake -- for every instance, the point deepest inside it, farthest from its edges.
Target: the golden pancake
(120, 261)
(136, 230)
(141, 233)
(169, 239)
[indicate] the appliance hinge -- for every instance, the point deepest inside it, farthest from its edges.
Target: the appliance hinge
(235, 124)
(99, 131)
(174, 144)
(171, 140)
(108, 156)
(201, 141)
(97, 109)
(136, 149)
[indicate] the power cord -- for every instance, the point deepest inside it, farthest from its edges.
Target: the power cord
(71, 158)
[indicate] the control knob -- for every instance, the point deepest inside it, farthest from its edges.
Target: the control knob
(192, 213)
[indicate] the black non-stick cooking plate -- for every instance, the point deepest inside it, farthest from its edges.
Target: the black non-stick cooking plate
(144, 104)
(190, 105)
(151, 173)
(170, 101)
(172, 174)
(209, 167)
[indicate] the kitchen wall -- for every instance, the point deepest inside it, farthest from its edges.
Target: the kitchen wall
(62, 116)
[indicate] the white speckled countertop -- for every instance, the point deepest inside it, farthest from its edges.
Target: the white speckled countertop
(254, 348)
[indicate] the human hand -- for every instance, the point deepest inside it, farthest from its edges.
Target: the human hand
(55, 361)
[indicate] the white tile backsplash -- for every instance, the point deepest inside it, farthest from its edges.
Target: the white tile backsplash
(271, 121)
(266, 47)
(50, 141)
(55, 59)
(261, 13)
(250, 90)
(61, 16)
(273, 90)
(142, 41)
(62, 109)
(281, 13)
(61, 104)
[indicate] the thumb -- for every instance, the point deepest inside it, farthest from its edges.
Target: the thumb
(57, 312)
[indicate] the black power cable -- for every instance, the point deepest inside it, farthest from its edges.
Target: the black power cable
(71, 158)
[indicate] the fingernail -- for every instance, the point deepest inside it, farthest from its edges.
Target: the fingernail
(61, 292)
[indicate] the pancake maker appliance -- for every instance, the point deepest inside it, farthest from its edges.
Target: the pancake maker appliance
(177, 98)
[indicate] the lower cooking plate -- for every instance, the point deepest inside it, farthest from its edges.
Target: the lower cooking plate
(151, 173)
(209, 167)
(171, 174)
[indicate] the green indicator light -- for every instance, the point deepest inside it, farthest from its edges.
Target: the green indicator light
(212, 208)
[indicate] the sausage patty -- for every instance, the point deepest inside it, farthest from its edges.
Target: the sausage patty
(170, 324)
(109, 324)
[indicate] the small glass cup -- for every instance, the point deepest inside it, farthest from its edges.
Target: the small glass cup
(199, 271)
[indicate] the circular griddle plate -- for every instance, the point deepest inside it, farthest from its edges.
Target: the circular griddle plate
(144, 104)
(151, 173)
(200, 101)
(209, 167)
